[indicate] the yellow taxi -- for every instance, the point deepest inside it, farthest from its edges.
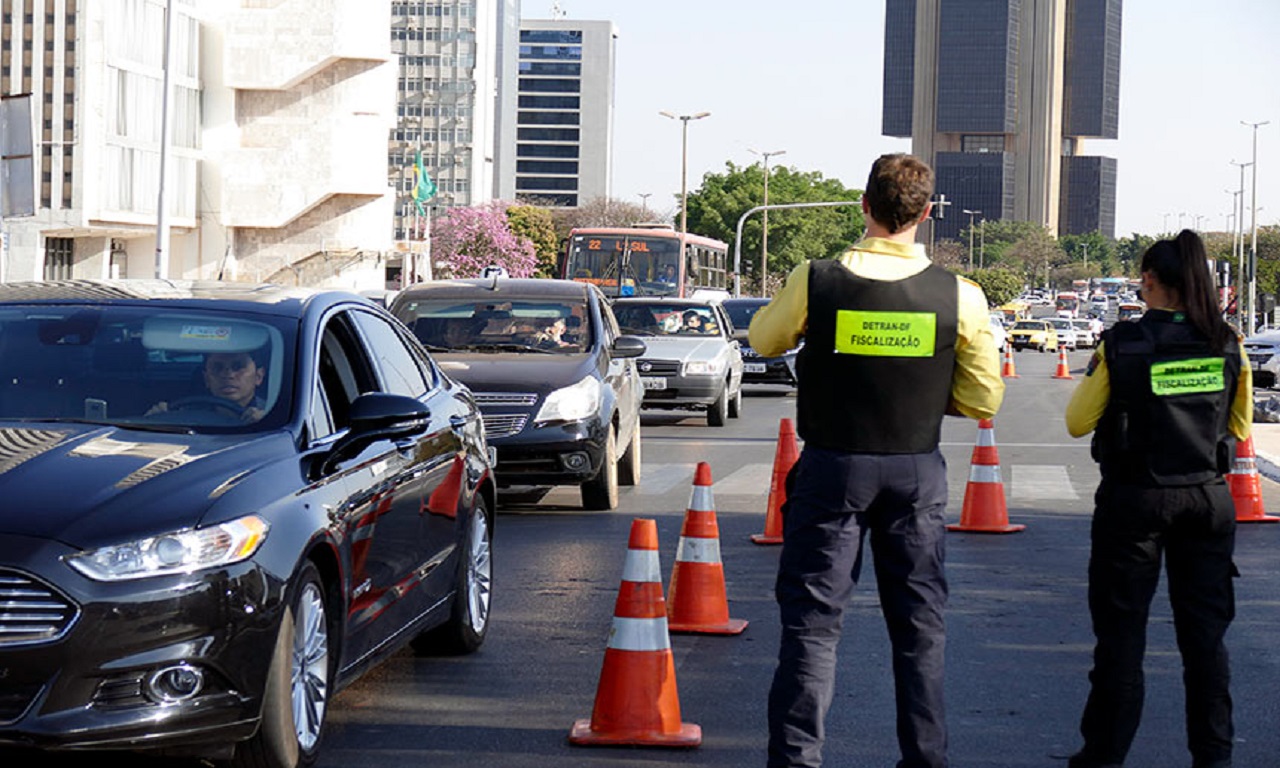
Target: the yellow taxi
(1033, 334)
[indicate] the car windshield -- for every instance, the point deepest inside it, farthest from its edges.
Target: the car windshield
(1027, 325)
(660, 319)
(163, 368)
(741, 312)
(523, 326)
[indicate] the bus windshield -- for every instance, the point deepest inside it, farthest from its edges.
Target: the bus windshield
(649, 266)
(645, 261)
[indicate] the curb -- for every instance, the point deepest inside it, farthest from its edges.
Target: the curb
(1268, 466)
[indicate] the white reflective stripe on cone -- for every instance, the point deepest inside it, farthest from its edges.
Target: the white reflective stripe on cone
(639, 634)
(698, 550)
(986, 437)
(701, 499)
(642, 565)
(984, 473)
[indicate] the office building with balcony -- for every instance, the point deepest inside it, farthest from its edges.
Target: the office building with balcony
(275, 170)
(999, 96)
(564, 118)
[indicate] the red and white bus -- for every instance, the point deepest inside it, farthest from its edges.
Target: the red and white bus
(645, 260)
(1067, 304)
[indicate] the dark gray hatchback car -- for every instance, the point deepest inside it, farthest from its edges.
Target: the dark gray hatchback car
(555, 379)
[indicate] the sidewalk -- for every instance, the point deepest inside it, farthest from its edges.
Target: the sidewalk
(1266, 444)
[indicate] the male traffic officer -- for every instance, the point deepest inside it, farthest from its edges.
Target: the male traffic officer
(892, 343)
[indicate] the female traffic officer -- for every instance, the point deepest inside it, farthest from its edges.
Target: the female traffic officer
(1164, 396)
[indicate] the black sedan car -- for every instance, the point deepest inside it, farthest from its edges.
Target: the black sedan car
(757, 369)
(222, 504)
(555, 379)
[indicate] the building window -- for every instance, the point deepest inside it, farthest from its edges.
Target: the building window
(547, 134)
(981, 143)
(58, 258)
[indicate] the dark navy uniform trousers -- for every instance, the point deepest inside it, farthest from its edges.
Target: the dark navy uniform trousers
(834, 499)
(1193, 529)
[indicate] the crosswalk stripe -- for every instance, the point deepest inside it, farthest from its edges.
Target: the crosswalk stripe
(748, 480)
(1030, 481)
(657, 479)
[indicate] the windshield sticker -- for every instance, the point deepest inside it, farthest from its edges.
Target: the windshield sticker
(885, 334)
(1187, 377)
(206, 332)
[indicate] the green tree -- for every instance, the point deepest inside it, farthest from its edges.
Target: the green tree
(999, 284)
(537, 226)
(795, 235)
(1095, 252)
(1129, 251)
(999, 236)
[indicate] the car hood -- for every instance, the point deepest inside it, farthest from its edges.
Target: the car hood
(87, 484)
(682, 348)
(515, 371)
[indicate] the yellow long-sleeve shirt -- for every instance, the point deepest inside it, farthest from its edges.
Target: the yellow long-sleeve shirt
(976, 386)
(1091, 395)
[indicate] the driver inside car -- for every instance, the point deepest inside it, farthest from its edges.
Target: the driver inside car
(235, 378)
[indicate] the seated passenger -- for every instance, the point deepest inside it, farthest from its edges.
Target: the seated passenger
(552, 337)
(694, 322)
(233, 377)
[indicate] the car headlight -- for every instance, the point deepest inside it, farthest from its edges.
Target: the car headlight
(171, 553)
(572, 403)
(703, 367)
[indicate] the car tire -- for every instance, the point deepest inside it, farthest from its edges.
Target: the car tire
(718, 412)
(629, 464)
(735, 404)
(468, 621)
(300, 676)
(601, 492)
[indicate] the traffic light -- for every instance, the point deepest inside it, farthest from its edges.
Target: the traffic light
(1266, 303)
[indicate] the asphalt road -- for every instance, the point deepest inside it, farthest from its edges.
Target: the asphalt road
(1019, 639)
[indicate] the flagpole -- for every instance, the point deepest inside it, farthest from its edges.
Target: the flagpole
(430, 272)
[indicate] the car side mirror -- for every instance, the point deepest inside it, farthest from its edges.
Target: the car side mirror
(377, 416)
(628, 346)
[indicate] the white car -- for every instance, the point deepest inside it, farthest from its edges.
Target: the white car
(1085, 334)
(998, 331)
(1066, 329)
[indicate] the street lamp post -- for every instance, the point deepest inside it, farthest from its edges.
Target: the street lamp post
(1253, 225)
(1237, 249)
(982, 243)
(644, 201)
(764, 232)
(971, 214)
(684, 162)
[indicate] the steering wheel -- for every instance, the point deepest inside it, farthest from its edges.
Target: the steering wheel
(207, 403)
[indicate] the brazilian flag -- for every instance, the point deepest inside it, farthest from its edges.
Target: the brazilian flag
(423, 187)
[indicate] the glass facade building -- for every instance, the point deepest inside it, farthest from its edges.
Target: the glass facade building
(998, 94)
(564, 111)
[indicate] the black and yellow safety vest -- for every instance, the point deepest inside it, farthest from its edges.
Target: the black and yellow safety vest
(1165, 422)
(875, 370)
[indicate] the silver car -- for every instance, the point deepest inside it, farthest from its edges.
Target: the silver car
(1067, 337)
(1263, 350)
(692, 362)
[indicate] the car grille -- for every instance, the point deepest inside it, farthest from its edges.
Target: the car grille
(659, 367)
(505, 398)
(30, 611)
(504, 424)
(1259, 357)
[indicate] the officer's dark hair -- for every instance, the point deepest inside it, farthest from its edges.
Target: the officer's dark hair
(898, 190)
(1182, 265)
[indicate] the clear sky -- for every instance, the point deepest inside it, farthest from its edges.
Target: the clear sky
(805, 76)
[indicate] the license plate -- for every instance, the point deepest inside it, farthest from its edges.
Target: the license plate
(753, 367)
(653, 382)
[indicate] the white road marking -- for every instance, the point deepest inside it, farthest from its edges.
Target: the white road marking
(1031, 481)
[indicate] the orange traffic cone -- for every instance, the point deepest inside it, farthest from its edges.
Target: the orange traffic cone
(1064, 371)
(784, 458)
(698, 602)
(1008, 371)
(984, 508)
(1246, 487)
(636, 700)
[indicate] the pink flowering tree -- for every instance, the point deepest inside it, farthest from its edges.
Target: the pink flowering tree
(466, 240)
